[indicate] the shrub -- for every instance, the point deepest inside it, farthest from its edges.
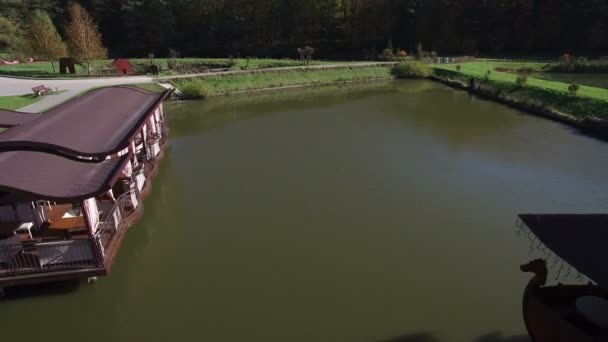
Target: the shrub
(419, 51)
(487, 75)
(388, 55)
(573, 88)
(306, 54)
(402, 54)
(195, 89)
(458, 67)
(521, 81)
(411, 70)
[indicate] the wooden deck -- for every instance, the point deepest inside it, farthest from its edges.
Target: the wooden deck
(111, 254)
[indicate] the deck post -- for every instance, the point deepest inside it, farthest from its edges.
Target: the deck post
(145, 143)
(96, 250)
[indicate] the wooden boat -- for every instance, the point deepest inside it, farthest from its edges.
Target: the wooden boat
(573, 313)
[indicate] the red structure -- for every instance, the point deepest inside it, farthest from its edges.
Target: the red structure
(123, 66)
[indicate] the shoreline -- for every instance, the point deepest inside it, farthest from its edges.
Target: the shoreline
(590, 125)
(269, 80)
(296, 86)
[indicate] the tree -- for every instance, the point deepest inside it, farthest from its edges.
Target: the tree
(84, 40)
(11, 37)
(44, 39)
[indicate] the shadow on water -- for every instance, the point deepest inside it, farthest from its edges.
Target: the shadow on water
(499, 337)
(428, 337)
(41, 290)
(420, 337)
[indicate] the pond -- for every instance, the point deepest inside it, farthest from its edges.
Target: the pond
(592, 80)
(371, 212)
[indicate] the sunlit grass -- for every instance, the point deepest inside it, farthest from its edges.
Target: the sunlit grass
(16, 102)
(479, 70)
(209, 86)
(44, 69)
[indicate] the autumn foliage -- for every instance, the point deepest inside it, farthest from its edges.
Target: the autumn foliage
(84, 40)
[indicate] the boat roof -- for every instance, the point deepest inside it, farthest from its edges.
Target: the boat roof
(9, 118)
(96, 124)
(579, 239)
(30, 175)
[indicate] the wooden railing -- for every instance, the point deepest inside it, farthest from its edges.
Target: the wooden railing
(111, 222)
(17, 259)
(20, 259)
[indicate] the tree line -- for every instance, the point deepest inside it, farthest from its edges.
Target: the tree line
(335, 28)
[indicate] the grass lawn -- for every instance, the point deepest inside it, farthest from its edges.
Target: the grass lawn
(479, 69)
(44, 69)
(224, 84)
(37, 69)
(16, 102)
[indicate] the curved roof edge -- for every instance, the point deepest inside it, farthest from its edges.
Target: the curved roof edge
(15, 144)
(578, 239)
(29, 176)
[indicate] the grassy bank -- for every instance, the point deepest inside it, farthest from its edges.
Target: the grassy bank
(586, 109)
(16, 102)
(479, 70)
(152, 87)
(226, 84)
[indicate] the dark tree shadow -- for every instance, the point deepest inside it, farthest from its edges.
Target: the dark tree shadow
(499, 337)
(420, 337)
(40, 290)
(490, 337)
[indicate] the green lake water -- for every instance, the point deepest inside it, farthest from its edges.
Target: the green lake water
(379, 212)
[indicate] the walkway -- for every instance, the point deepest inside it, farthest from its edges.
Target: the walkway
(68, 88)
(71, 87)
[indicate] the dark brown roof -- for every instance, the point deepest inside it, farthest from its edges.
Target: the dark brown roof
(580, 240)
(9, 118)
(42, 176)
(96, 124)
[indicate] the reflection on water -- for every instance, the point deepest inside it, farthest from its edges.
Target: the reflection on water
(380, 212)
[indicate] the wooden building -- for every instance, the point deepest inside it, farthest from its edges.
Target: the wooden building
(73, 180)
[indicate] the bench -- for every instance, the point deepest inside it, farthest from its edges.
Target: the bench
(41, 90)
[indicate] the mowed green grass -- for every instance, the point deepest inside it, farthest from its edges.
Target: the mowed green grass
(480, 68)
(16, 102)
(44, 69)
(39, 69)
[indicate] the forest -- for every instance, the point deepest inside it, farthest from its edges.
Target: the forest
(337, 29)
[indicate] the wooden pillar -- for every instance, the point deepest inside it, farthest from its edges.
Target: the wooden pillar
(144, 142)
(87, 221)
(96, 248)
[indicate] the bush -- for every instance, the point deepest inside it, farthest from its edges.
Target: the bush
(411, 70)
(388, 55)
(458, 67)
(195, 89)
(521, 81)
(573, 88)
(487, 75)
